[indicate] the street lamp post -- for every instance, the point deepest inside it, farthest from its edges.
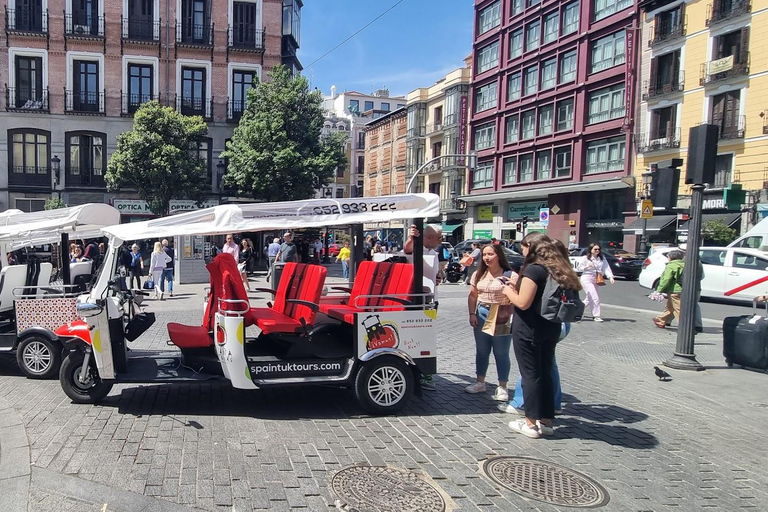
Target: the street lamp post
(221, 168)
(56, 168)
(471, 162)
(647, 180)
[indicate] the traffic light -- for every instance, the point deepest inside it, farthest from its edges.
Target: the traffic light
(519, 226)
(525, 221)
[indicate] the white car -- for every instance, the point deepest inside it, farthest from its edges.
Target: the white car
(725, 268)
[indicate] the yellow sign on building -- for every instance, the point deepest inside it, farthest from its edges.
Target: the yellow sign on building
(485, 213)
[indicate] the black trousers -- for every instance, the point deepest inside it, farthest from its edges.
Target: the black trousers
(535, 360)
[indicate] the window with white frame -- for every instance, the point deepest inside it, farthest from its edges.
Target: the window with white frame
(606, 104)
(546, 115)
(482, 177)
(565, 114)
(485, 97)
(485, 136)
(512, 132)
(27, 79)
(525, 168)
(563, 162)
(529, 125)
(548, 74)
(604, 8)
(532, 36)
(510, 170)
(570, 21)
(514, 86)
(489, 18)
(568, 67)
(488, 57)
(608, 52)
(516, 44)
(544, 165)
(531, 80)
(550, 27)
(606, 155)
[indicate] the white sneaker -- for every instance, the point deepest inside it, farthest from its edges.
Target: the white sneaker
(545, 430)
(161, 295)
(521, 426)
(509, 409)
(477, 387)
(598, 319)
(501, 394)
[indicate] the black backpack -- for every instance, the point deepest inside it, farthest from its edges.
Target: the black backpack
(560, 305)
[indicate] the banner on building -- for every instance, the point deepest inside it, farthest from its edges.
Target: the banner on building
(629, 72)
(463, 105)
(720, 65)
(485, 213)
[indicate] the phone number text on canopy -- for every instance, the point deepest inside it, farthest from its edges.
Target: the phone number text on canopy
(354, 208)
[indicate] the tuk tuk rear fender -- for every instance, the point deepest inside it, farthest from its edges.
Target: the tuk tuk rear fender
(37, 331)
(73, 332)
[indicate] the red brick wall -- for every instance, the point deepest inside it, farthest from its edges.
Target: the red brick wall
(385, 157)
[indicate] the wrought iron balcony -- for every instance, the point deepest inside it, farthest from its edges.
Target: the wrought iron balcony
(361, 144)
(130, 103)
(246, 37)
(190, 34)
(140, 29)
(725, 68)
(30, 175)
(27, 21)
(85, 177)
(84, 102)
(26, 100)
(650, 142)
(731, 127)
(235, 109)
(195, 106)
(85, 27)
(665, 31)
(434, 129)
(723, 10)
(656, 89)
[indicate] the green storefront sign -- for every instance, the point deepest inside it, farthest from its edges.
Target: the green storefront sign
(482, 233)
(516, 211)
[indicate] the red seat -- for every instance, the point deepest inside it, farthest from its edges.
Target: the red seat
(299, 282)
(374, 278)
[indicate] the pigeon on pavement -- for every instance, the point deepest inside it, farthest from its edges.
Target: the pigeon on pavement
(661, 374)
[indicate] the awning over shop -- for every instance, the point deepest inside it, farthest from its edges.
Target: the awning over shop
(729, 218)
(539, 191)
(450, 228)
(656, 224)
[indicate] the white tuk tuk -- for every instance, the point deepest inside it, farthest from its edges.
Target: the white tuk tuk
(32, 307)
(377, 337)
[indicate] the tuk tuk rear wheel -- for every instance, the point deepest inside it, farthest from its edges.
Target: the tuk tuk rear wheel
(384, 385)
(89, 392)
(38, 357)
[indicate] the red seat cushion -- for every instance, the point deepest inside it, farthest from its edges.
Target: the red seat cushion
(189, 336)
(270, 321)
(342, 312)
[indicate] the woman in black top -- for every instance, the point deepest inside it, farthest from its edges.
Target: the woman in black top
(533, 336)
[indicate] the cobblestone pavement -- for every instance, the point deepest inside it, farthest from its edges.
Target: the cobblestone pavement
(694, 443)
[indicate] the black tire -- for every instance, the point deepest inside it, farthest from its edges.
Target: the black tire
(632, 278)
(453, 278)
(38, 357)
(392, 371)
(91, 393)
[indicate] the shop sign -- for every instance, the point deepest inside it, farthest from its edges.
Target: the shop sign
(132, 207)
(714, 203)
(720, 65)
(482, 233)
(516, 211)
(184, 205)
(485, 213)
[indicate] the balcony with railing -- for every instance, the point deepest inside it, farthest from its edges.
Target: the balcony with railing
(656, 88)
(26, 100)
(195, 106)
(130, 103)
(731, 126)
(246, 37)
(723, 179)
(84, 102)
(650, 142)
(193, 35)
(83, 27)
(140, 29)
(434, 129)
(725, 68)
(723, 10)
(29, 21)
(85, 178)
(664, 31)
(235, 109)
(29, 175)
(360, 144)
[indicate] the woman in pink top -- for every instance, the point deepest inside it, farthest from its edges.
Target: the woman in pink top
(487, 289)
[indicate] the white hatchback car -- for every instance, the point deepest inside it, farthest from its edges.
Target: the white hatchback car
(725, 268)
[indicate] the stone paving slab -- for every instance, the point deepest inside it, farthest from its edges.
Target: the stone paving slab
(693, 443)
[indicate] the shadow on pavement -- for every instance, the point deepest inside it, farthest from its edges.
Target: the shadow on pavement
(615, 435)
(602, 413)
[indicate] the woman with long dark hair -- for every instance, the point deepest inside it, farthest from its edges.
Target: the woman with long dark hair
(488, 289)
(590, 265)
(534, 337)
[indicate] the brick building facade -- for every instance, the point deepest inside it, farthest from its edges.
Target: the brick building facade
(385, 154)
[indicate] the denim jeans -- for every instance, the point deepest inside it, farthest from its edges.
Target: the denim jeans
(484, 343)
(167, 274)
(519, 403)
(345, 268)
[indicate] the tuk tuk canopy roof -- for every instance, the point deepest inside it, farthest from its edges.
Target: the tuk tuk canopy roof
(29, 229)
(309, 213)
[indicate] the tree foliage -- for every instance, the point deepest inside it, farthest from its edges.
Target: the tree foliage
(276, 152)
(717, 233)
(54, 203)
(155, 159)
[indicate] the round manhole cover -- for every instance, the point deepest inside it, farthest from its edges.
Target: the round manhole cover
(380, 488)
(544, 481)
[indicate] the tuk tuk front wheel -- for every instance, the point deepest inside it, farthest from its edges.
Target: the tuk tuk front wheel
(38, 357)
(89, 392)
(384, 385)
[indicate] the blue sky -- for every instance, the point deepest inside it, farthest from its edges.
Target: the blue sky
(412, 46)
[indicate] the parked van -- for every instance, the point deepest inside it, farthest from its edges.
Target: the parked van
(755, 238)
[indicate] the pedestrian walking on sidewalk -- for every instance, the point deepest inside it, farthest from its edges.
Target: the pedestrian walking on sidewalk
(168, 270)
(534, 336)
(344, 256)
(158, 261)
(487, 299)
(272, 251)
(671, 284)
(474, 264)
(595, 271)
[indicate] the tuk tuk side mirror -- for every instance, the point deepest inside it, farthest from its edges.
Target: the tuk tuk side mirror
(88, 309)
